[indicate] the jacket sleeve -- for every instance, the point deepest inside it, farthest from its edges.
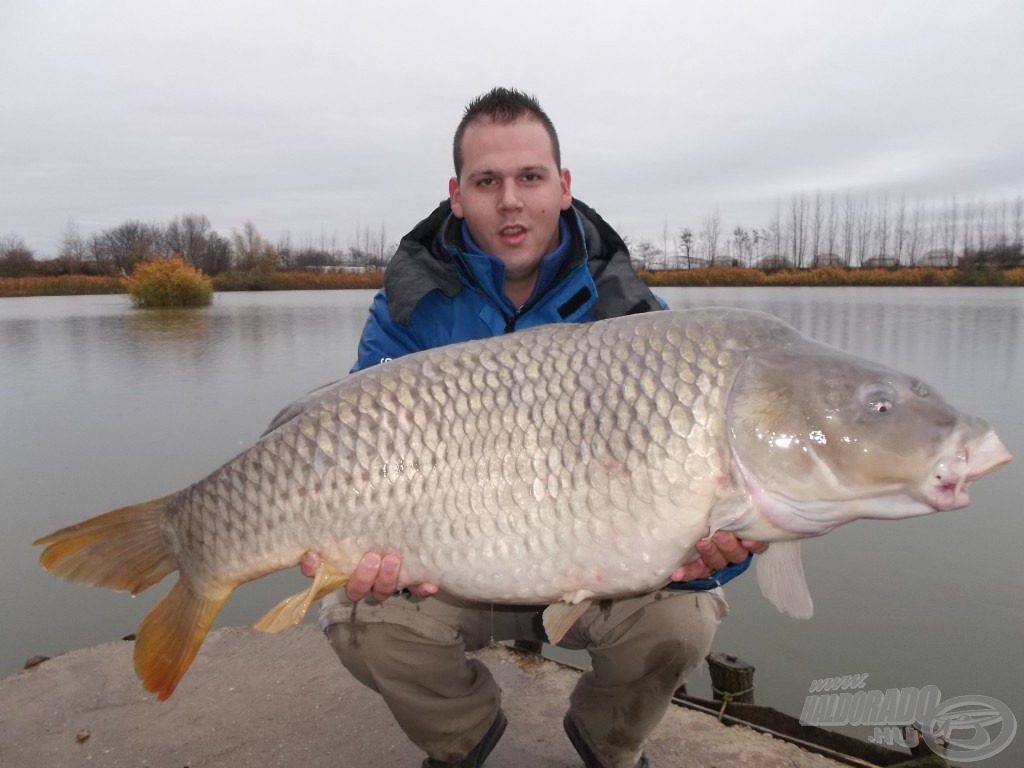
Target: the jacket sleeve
(722, 576)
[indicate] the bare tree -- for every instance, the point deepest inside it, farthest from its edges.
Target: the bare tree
(685, 245)
(774, 233)
(817, 225)
(664, 241)
(187, 236)
(864, 230)
(881, 229)
(950, 216)
(981, 234)
(741, 243)
(1018, 221)
(710, 234)
(118, 249)
(252, 252)
(914, 247)
(967, 228)
(16, 257)
(645, 254)
(899, 233)
(849, 227)
(1000, 234)
(72, 245)
(832, 225)
(797, 229)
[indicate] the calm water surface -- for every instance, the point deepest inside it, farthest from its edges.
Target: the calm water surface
(102, 405)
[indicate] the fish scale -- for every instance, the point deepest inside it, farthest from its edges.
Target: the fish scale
(545, 466)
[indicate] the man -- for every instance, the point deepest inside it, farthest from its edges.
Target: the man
(510, 249)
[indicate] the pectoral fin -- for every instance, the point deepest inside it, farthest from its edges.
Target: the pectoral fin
(290, 611)
(780, 574)
(559, 618)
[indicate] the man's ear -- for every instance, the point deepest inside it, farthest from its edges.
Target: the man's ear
(566, 178)
(455, 196)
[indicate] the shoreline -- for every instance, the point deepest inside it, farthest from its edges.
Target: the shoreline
(977, 275)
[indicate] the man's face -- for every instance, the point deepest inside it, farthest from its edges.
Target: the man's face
(510, 194)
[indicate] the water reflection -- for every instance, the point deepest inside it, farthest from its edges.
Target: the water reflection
(963, 335)
(161, 326)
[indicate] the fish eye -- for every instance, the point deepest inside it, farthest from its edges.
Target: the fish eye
(879, 398)
(919, 388)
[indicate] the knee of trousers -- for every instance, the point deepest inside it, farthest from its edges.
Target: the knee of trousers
(368, 651)
(676, 632)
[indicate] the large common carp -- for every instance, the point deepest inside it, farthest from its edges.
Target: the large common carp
(546, 466)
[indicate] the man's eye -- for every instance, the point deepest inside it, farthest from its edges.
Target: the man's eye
(531, 177)
(486, 182)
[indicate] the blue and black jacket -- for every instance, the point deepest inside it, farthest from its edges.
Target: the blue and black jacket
(439, 288)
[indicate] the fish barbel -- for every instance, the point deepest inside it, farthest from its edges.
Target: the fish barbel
(551, 465)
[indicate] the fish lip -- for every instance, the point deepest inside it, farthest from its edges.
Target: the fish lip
(948, 484)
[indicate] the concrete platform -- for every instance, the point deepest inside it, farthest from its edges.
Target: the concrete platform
(254, 700)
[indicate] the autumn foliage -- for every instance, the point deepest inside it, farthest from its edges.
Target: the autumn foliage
(168, 283)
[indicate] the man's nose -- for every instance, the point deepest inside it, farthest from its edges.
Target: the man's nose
(510, 199)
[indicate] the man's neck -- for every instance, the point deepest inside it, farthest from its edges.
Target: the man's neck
(519, 292)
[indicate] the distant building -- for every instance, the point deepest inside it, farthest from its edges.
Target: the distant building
(694, 262)
(828, 260)
(881, 261)
(937, 257)
(774, 263)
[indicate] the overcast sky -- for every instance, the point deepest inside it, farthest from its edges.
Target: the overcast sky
(321, 117)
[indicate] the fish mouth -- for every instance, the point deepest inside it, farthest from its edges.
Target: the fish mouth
(948, 485)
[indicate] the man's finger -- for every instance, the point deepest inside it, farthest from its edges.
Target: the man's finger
(711, 554)
(426, 589)
(757, 547)
(695, 569)
(310, 564)
(386, 583)
(360, 582)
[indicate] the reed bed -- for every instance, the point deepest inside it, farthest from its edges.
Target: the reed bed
(62, 285)
(832, 276)
(68, 285)
(296, 281)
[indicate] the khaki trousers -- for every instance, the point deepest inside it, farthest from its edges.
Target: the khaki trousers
(413, 652)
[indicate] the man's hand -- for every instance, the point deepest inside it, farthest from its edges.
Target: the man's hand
(716, 552)
(376, 574)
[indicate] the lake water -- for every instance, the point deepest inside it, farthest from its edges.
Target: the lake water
(102, 405)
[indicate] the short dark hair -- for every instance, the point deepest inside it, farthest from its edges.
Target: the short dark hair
(503, 106)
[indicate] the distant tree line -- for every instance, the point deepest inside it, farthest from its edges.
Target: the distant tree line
(850, 230)
(846, 229)
(116, 251)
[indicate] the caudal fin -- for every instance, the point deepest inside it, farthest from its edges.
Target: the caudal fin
(170, 635)
(121, 550)
(125, 550)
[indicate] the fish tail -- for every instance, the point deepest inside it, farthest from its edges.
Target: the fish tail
(126, 550)
(170, 635)
(122, 550)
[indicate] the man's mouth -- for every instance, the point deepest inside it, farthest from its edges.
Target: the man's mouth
(514, 233)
